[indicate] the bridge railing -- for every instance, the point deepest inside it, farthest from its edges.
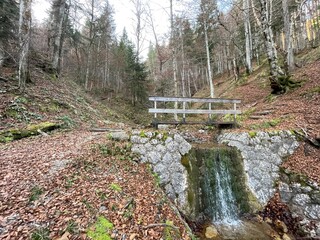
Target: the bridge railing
(214, 106)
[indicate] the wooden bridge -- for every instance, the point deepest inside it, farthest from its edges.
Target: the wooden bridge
(213, 106)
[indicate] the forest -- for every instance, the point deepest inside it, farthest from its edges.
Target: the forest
(206, 39)
(80, 159)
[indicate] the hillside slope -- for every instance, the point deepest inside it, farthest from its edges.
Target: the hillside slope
(297, 110)
(66, 183)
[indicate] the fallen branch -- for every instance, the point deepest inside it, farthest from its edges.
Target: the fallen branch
(105, 130)
(42, 133)
(313, 142)
(159, 225)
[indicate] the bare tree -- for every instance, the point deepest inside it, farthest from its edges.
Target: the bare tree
(208, 10)
(24, 42)
(139, 12)
(174, 60)
(248, 35)
(59, 17)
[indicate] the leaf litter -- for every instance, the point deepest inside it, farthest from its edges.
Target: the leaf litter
(38, 193)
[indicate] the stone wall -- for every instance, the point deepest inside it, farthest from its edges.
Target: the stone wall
(164, 153)
(262, 155)
(303, 198)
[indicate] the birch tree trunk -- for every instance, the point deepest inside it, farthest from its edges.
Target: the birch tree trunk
(24, 42)
(248, 35)
(208, 58)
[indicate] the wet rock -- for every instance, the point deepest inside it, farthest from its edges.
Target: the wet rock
(211, 232)
(286, 237)
(281, 226)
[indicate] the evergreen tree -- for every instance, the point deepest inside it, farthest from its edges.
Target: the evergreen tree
(135, 74)
(9, 17)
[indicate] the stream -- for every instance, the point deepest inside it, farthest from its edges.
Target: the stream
(219, 193)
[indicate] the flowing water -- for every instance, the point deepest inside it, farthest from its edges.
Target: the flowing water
(218, 192)
(220, 196)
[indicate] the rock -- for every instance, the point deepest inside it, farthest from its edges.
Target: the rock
(262, 156)
(286, 237)
(301, 199)
(281, 226)
(119, 136)
(211, 232)
(154, 157)
(313, 212)
(318, 229)
(163, 127)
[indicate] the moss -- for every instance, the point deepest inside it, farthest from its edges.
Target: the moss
(31, 130)
(252, 134)
(169, 232)
(165, 136)
(268, 124)
(115, 187)
(142, 134)
(12, 113)
(274, 122)
(100, 230)
(202, 175)
(240, 117)
(185, 162)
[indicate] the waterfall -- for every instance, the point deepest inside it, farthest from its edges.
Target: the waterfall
(226, 209)
(218, 192)
(217, 185)
(221, 203)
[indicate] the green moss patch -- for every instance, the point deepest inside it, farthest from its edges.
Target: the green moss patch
(31, 130)
(100, 230)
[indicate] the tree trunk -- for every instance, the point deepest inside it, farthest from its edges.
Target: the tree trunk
(248, 35)
(277, 76)
(208, 59)
(174, 62)
(59, 18)
(24, 42)
(288, 38)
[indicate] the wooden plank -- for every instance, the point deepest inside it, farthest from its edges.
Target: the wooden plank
(193, 111)
(200, 100)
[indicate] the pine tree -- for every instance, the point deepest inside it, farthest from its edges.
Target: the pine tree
(9, 17)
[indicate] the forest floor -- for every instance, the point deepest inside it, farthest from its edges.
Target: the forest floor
(60, 185)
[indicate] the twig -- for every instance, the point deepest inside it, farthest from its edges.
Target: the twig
(128, 203)
(42, 133)
(159, 225)
(105, 130)
(313, 142)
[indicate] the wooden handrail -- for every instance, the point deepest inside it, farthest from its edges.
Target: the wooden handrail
(155, 110)
(199, 100)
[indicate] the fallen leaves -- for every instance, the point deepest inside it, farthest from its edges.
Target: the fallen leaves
(68, 200)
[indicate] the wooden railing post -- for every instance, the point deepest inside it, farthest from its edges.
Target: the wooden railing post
(184, 114)
(210, 113)
(235, 115)
(155, 107)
